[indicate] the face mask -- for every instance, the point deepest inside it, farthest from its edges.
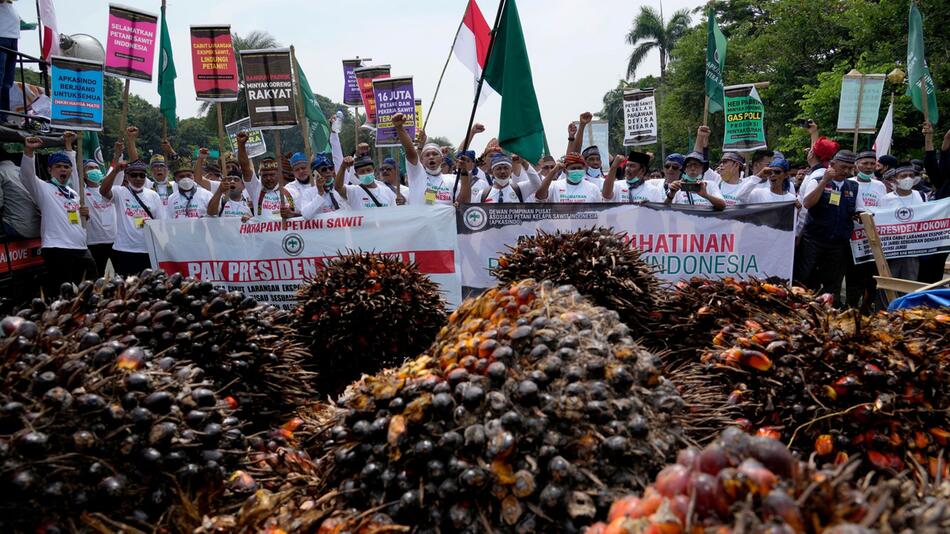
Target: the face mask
(575, 176)
(594, 173)
(633, 181)
(186, 184)
(864, 177)
(328, 182)
(304, 180)
(906, 184)
(57, 181)
(686, 178)
(94, 176)
(502, 182)
(367, 179)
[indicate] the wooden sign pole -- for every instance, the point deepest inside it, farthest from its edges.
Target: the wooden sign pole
(874, 241)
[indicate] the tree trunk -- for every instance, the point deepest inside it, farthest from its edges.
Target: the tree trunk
(659, 94)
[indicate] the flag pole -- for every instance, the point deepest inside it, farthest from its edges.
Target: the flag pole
(857, 114)
(481, 79)
(447, 59)
(706, 112)
(924, 97)
(124, 117)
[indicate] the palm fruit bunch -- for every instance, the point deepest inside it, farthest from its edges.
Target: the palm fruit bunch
(104, 433)
(697, 308)
(600, 263)
(365, 312)
(530, 412)
(241, 346)
(842, 386)
(741, 483)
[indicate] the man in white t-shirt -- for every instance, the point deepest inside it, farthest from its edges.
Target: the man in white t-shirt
(301, 188)
(903, 196)
(100, 227)
(427, 184)
(134, 205)
(326, 199)
(160, 183)
(626, 182)
(230, 198)
(697, 186)
(369, 193)
(191, 200)
(505, 187)
(271, 202)
(61, 229)
(573, 188)
(780, 188)
(871, 191)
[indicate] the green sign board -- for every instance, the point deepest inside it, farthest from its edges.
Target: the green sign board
(745, 120)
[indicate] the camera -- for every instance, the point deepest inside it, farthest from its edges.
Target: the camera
(692, 187)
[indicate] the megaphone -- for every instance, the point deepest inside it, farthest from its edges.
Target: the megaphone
(82, 46)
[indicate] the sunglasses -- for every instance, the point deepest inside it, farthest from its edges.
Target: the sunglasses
(386, 169)
(672, 166)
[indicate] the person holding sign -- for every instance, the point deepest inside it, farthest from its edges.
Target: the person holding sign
(134, 205)
(191, 201)
(825, 249)
(574, 188)
(327, 199)
(693, 188)
(626, 181)
(100, 227)
(61, 229)
(369, 193)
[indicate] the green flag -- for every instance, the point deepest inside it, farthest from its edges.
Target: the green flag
(508, 71)
(917, 66)
(319, 128)
(91, 148)
(166, 76)
(715, 62)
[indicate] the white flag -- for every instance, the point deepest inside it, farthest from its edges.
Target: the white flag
(50, 32)
(882, 145)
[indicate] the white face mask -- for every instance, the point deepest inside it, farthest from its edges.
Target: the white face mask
(594, 172)
(186, 184)
(502, 182)
(906, 184)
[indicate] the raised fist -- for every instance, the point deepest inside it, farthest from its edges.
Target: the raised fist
(242, 137)
(399, 120)
(586, 117)
(132, 131)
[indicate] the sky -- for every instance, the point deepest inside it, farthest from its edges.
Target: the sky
(577, 49)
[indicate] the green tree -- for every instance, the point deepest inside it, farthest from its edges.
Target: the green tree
(649, 32)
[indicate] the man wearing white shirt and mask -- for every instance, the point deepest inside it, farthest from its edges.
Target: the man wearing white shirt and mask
(100, 227)
(871, 191)
(573, 188)
(904, 195)
(63, 236)
(504, 187)
(326, 199)
(369, 193)
(302, 186)
(626, 181)
(134, 205)
(427, 184)
(191, 201)
(697, 186)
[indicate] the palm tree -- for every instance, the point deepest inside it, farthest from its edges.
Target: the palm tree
(650, 32)
(255, 40)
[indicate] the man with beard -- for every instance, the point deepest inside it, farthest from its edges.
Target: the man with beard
(573, 188)
(191, 201)
(134, 204)
(694, 188)
(302, 187)
(369, 193)
(427, 184)
(326, 199)
(271, 201)
(626, 181)
(63, 236)
(230, 198)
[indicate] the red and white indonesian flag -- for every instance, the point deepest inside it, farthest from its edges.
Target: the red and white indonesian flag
(471, 43)
(49, 29)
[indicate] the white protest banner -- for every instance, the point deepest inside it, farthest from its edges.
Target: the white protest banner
(864, 90)
(597, 134)
(268, 260)
(906, 231)
(639, 117)
(740, 242)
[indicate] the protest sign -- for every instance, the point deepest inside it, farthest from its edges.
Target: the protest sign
(597, 133)
(351, 89)
(255, 138)
(269, 260)
(269, 86)
(392, 96)
(682, 242)
(639, 117)
(862, 90)
(76, 88)
(130, 47)
(906, 231)
(745, 119)
(213, 65)
(365, 77)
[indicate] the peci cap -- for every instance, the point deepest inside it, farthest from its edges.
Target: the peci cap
(844, 156)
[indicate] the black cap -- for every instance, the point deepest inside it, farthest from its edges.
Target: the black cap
(639, 157)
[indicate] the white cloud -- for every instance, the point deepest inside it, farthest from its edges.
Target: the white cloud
(577, 49)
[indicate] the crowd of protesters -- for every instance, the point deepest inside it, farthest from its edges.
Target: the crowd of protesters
(80, 237)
